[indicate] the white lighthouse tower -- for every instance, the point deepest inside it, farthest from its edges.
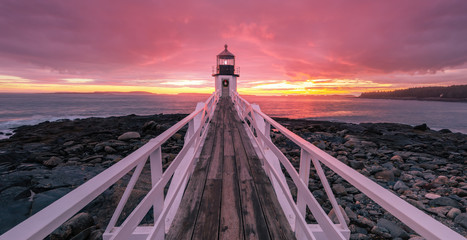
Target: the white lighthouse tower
(225, 73)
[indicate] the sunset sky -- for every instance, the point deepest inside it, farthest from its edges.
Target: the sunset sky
(282, 47)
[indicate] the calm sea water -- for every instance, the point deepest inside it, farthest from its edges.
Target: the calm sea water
(27, 109)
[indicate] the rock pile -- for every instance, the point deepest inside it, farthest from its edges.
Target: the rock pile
(426, 168)
(41, 163)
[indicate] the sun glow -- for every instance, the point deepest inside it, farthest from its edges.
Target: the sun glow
(83, 88)
(313, 87)
(78, 80)
(170, 86)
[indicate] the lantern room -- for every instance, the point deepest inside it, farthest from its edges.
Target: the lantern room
(225, 72)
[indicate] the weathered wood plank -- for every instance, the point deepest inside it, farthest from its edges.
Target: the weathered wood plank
(276, 221)
(185, 219)
(241, 158)
(254, 223)
(215, 169)
(279, 227)
(229, 196)
(253, 219)
(231, 219)
(207, 224)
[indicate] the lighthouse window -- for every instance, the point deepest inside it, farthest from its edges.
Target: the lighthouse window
(226, 62)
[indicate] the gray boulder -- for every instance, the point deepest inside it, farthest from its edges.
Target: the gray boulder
(461, 219)
(128, 136)
(53, 161)
(73, 227)
(445, 201)
(393, 228)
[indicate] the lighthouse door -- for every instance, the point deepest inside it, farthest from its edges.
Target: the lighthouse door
(225, 87)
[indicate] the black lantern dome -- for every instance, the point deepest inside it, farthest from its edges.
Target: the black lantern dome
(225, 63)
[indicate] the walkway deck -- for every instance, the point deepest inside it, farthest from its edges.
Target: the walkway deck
(229, 195)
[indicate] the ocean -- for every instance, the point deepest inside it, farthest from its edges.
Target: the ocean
(28, 109)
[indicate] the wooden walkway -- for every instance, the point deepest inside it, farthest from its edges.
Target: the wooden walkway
(229, 196)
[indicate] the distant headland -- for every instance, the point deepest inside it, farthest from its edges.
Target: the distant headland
(455, 93)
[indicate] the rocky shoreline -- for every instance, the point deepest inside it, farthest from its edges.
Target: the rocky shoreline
(428, 169)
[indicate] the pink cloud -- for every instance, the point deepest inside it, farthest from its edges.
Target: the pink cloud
(114, 41)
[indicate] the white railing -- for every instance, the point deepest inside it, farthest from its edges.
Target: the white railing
(259, 124)
(50, 218)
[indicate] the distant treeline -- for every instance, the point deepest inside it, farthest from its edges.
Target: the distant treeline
(451, 92)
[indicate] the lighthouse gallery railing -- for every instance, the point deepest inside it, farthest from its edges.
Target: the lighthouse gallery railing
(259, 128)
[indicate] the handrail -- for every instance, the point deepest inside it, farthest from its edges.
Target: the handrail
(273, 156)
(41, 224)
(420, 222)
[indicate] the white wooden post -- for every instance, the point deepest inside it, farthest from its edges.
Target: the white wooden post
(259, 123)
(156, 174)
(260, 126)
(329, 193)
(197, 118)
(124, 199)
(267, 131)
(178, 177)
(189, 132)
(304, 174)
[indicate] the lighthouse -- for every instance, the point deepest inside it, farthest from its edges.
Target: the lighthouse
(225, 73)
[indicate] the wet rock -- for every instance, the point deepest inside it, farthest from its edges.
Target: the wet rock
(432, 196)
(75, 149)
(92, 158)
(422, 127)
(445, 201)
(397, 158)
(85, 234)
(394, 229)
(149, 126)
(459, 192)
(113, 157)
(444, 130)
(177, 136)
(128, 136)
(343, 159)
(386, 175)
(406, 177)
(441, 180)
(461, 219)
(69, 143)
(453, 213)
(356, 164)
(109, 149)
(351, 214)
(339, 189)
(365, 222)
(359, 236)
(440, 211)
(72, 227)
(13, 213)
(332, 215)
(95, 235)
(53, 161)
(43, 199)
(351, 141)
(383, 232)
(400, 185)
